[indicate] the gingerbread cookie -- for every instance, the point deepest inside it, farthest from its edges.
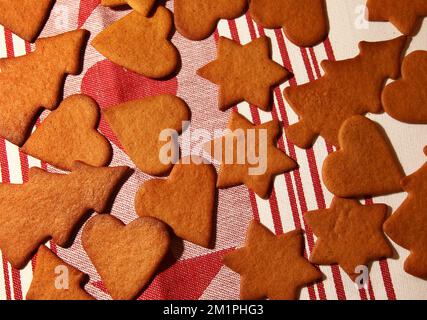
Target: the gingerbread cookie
(408, 225)
(272, 266)
(349, 87)
(139, 124)
(142, 6)
(52, 206)
(33, 82)
(68, 135)
(244, 73)
(126, 257)
(349, 234)
(406, 99)
(25, 18)
(242, 166)
(197, 20)
(185, 200)
(141, 44)
(406, 15)
(305, 22)
(366, 165)
(53, 279)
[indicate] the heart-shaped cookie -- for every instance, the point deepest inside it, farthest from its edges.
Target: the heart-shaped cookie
(126, 257)
(141, 44)
(305, 22)
(197, 20)
(68, 135)
(185, 200)
(138, 125)
(366, 165)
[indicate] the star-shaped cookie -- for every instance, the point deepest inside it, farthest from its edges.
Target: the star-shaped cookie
(244, 73)
(349, 234)
(271, 266)
(254, 162)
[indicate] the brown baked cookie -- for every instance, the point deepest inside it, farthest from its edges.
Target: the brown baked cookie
(33, 82)
(239, 149)
(142, 6)
(366, 165)
(25, 18)
(54, 279)
(52, 205)
(141, 44)
(349, 87)
(244, 73)
(271, 266)
(126, 257)
(68, 135)
(185, 200)
(305, 22)
(408, 225)
(197, 20)
(138, 125)
(406, 99)
(406, 15)
(349, 234)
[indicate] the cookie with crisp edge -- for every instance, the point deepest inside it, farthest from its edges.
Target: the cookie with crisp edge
(25, 18)
(125, 256)
(406, 15)
(141, 44)
(32, 82)
(185, 200)
(272, 266)
(407, 226)
(366, 164)
(139, 124)
(45, 278)
(349, 234)
(68, 135)
(305, 22)
(197, 20)
(406, 99)
(244, 73)
(348, 87)
(52, 206)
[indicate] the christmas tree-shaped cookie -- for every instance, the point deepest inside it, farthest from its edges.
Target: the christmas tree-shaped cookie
(408, 225)
(51, 206)
(349, 87)
(34, 81)
(141, 44)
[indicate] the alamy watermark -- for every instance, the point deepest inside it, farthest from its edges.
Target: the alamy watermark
(238, 147)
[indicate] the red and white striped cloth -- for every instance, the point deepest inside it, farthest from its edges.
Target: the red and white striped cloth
(198, 273)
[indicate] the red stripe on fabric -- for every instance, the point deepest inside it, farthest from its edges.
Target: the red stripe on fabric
(6, 278)
(362, 294)
(385, 271)
(371, 290)
(9, 43)
(288, 180)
